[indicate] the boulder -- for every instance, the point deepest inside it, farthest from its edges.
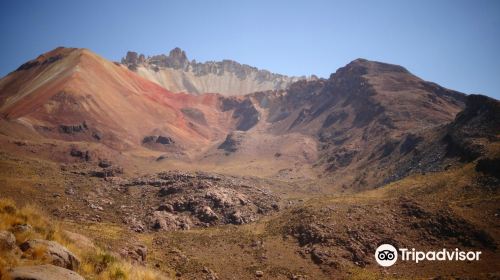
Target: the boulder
(7, 240)
(319, 256)
(166, 207)
(134, 224)
(210, 274)
(236, 218)
(84, 155)
(220, 198)
(206, 214)
(162, 157)
(159, 139)
(54, 251)
(105, 163)
(42, 272)
(73, 128)
(136, 253)
(162, 220)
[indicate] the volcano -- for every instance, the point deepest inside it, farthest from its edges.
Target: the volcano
(220, 170)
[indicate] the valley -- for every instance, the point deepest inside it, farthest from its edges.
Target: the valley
(278, 178)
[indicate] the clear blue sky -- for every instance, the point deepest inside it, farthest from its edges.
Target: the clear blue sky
(453, 43)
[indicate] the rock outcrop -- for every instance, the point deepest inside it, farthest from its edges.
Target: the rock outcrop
(7, 240)
(232, 142)
(176, 73)
(42, 272)
(58, 254)
(180, 201)
(137, 253)
(158, 139)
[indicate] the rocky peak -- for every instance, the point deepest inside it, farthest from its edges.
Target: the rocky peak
(175, 72)
(361, 66)
(133, 58)
(178, 54)
(177, 59)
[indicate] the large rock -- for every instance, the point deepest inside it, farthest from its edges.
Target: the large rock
(236, 218)
(162, 220)
(42, 272)
(57, 253)
(7, 240)
(158, 139)
(220, 197)
(73, 128)
(137, 253)
(206, 214)
(112, 171)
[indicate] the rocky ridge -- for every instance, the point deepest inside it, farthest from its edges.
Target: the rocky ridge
(180, 200)
(177, 73)
(172, 200)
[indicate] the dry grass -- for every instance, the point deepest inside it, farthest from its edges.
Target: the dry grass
(95, 262)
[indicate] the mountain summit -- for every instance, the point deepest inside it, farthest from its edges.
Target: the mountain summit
(323, 170)
(177, 74)
(74, 94)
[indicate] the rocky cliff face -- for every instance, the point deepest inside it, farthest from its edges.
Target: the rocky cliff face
(178, 74)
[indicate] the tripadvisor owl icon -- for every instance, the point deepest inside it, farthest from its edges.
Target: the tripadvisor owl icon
(386, 255)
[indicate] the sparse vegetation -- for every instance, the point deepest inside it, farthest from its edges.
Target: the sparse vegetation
(309, 179)
(96, 263)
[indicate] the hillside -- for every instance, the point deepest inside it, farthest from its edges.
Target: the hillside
(73, 94)
(349, 124)
(296, 181)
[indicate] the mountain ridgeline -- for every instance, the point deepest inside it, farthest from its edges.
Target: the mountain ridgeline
(178, 74)
(162, 161)
(364, 126)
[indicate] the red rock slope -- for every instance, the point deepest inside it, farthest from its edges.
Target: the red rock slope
(74, 94)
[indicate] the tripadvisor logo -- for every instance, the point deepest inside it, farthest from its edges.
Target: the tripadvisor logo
(387, 255)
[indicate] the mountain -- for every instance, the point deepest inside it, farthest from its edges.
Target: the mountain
(355, 119)
(74, 94)
(177, 74)
(300, 181)
(448, 201)
(347, 126)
